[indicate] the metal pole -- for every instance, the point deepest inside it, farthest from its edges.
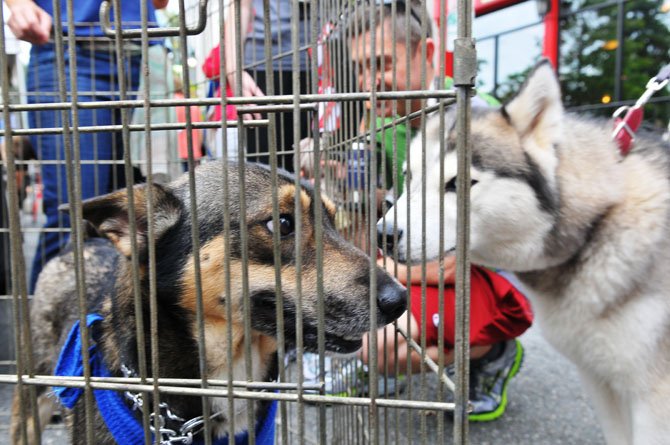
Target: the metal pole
(465, 69)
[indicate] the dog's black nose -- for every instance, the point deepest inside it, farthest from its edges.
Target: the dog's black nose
(391, 298)
(385, 234)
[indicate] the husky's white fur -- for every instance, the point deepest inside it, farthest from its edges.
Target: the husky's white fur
(586, 231)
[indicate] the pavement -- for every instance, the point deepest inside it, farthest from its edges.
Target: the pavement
(546, 406)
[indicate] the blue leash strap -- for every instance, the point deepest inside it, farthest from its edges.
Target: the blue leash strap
(120, 421)
(119, 418)
(70, 362)
(265, 431)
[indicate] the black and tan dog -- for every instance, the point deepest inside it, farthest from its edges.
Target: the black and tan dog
(346, 281)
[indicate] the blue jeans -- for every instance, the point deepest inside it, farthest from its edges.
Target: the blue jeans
(97, 80)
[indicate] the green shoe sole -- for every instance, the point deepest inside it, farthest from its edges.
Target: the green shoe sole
(493, 415)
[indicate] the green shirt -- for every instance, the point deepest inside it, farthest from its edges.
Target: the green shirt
(393, 143)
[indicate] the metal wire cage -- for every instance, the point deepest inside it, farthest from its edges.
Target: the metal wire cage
(150, 101)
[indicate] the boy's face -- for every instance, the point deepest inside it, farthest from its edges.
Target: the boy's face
(388, 68)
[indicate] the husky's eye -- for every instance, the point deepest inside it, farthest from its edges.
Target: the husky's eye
(286, 225)
(451, 185)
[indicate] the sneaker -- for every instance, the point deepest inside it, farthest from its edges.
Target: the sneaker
(489, 381)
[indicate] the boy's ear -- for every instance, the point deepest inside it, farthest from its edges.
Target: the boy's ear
(430, 50)
(110, 215)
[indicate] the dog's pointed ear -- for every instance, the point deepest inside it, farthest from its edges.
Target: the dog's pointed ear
(110, 217)
(537, 107)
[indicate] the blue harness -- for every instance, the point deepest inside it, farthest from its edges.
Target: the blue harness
(119, 418)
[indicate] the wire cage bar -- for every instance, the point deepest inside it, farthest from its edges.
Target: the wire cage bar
(317, 92)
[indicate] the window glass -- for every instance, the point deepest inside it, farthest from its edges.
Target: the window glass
(506, 19)
(486, 65)
(519, 51)
(517, 33)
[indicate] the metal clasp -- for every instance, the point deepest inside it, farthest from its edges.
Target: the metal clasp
(106, 25)
(652, 86)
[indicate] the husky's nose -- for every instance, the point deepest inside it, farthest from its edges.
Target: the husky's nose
(385, 235)
(391, 298)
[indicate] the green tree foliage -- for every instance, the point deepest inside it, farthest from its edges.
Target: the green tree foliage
(587, 66)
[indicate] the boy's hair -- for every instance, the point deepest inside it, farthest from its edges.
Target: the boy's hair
(406, 22)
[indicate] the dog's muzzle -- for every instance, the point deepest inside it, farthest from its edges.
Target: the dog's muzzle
(391, 298)
(386, 234)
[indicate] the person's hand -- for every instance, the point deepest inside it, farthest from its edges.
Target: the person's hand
(334, 169)
(249, 89)
(29, 22)
(432, 271)
(397, 270)
(329, 168)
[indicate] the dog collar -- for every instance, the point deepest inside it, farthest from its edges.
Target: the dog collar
(118, 416)
(265, 427)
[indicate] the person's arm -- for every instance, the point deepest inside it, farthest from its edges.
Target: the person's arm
(29, 22)
(432, 271)
(33, 24)
(248, 86)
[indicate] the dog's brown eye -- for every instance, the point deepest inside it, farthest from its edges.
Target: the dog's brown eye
(286, 226)
(286, 223)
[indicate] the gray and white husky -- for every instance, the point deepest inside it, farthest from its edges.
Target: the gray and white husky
(587, 232)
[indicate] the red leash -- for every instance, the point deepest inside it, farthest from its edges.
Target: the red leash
(626, 126)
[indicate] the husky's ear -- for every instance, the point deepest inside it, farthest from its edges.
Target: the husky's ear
(110, 217)
(537, 107)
